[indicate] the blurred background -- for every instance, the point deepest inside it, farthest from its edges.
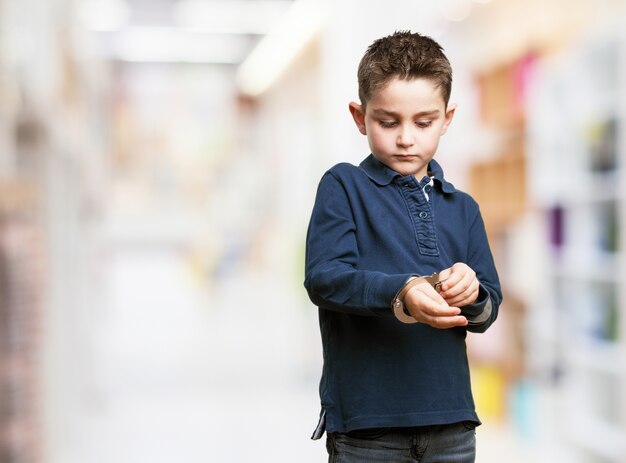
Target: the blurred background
(158, 165)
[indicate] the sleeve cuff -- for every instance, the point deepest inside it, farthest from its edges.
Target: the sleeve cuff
(382, 289)
(480, 311)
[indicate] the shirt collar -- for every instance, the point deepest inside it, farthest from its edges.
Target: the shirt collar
(383, 175)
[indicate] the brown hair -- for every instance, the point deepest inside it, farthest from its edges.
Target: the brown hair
(404, 55)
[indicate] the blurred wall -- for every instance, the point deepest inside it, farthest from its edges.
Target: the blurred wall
(103, 160)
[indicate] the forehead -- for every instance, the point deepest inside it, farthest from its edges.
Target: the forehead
(399, 93)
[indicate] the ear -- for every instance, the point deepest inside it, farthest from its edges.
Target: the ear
(358, 114)
(449, 116)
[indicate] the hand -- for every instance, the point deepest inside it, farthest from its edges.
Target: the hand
(459, 285)
(428, 307)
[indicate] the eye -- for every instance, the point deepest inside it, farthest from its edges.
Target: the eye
(424, 124)
(387, 124)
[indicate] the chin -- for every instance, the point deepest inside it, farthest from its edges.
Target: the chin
(405, 170)
(405, 173)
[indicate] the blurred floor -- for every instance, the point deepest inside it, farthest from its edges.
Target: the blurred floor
(187, 376)
(191, 374)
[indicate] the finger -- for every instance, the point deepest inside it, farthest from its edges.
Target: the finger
(425, 291)
(460, 280)
(464, 287)
(439, 310)
(422, 308)
(435, 295)
(446, 322)
(464, 299)
(461, 292)
(451, 277)
(445, 274)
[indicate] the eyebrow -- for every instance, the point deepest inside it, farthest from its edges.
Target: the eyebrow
(384, 112)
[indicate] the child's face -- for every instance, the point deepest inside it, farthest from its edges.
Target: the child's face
(404, 121)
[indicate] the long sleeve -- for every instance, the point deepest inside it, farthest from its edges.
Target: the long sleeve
(332, 278)
(484, 311)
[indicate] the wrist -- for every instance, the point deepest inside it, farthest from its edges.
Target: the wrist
(397, 305)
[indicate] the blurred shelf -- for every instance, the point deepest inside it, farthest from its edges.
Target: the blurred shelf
(577, 184)
(599, 356)
(589, 266)
(590, 187)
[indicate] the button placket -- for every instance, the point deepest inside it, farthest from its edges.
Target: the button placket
(420, 211)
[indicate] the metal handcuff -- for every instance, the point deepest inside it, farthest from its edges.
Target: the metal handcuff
(399, 310)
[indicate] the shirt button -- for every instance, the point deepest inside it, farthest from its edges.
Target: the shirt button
(428, 188)
(423, 215)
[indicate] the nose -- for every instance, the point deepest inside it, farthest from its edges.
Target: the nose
(405, 136)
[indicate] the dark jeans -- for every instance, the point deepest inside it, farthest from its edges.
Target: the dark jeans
(453, 443)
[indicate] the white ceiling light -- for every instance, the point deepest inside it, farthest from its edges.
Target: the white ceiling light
(456, 10)
(103, 15)
(230, 16)
(172, 45)
(298, 26)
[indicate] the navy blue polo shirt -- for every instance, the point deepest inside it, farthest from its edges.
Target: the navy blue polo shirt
(370, 230)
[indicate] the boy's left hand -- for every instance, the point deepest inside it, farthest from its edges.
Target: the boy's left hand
(459, 285)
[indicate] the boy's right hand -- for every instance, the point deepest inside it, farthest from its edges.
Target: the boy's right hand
(427, 306)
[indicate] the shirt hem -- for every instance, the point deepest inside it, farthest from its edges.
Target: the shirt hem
(404, 421)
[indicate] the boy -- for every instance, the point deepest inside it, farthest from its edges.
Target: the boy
(399, 265)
